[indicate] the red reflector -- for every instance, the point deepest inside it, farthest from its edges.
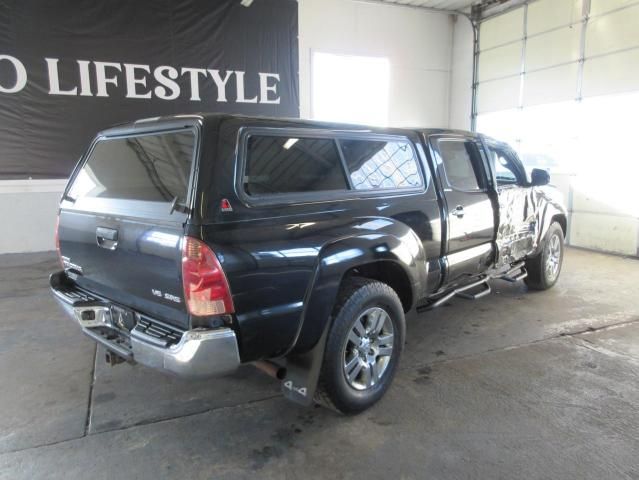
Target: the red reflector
(206, 290)
(225, 205)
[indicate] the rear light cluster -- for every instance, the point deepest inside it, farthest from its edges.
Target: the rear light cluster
(206, 290)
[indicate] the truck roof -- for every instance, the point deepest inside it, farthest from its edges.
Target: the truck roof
(178, 120)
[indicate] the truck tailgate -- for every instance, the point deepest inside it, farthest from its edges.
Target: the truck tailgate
(119, 234)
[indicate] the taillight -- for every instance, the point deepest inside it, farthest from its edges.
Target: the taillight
(57, 240)
(206, 290)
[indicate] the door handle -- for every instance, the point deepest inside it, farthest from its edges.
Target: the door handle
(458, 212)
(106, 238)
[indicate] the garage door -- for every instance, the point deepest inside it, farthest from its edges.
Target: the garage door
(559, 79)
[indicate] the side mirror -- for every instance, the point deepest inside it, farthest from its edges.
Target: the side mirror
(539, 177)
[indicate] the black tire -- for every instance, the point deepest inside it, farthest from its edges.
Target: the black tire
(361, 300)
(539, 277)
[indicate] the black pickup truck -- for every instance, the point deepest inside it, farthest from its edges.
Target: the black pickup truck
(195, 243)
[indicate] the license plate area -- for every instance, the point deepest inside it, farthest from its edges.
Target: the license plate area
(122, 318)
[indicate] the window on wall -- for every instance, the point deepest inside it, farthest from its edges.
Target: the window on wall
(351, 89)
(592, 140)
(545, 136)
(504, 125)
(608, 166)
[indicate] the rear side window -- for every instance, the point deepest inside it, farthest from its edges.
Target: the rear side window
(153, 168)
(290, 164)
(380, 164)
(462, 164)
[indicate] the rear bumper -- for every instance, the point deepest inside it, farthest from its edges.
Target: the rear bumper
(196, 353)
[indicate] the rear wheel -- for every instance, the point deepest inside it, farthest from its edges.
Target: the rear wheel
(363, 346)
(544, 268)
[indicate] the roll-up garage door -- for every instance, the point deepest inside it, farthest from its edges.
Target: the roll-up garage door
(559, 79)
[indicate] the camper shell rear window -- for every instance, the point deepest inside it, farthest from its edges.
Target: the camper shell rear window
(153, 167)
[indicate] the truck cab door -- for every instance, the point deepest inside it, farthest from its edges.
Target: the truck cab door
(517, 229)
(469, 212)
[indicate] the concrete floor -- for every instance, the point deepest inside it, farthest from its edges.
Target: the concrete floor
(515, 385)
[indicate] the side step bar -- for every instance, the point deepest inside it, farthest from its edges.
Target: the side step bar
(461, 291)
(514, 274)
(474, 296)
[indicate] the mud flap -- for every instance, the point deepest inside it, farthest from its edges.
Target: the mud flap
(302, 373)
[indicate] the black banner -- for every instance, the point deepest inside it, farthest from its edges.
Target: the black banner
(71, 68)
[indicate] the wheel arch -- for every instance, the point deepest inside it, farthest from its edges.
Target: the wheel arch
(386, 271)
(561, 219)
(395, 258)
(549, 212)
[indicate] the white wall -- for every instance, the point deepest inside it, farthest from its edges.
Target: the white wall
(417, 44)
(28, 211)
(461, 80)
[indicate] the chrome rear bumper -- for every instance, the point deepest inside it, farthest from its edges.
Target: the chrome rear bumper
(198, 353)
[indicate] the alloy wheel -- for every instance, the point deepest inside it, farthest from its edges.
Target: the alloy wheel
(553, 257)
(368, 349)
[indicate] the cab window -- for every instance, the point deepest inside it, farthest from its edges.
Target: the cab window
(504, 166)
(462, 164)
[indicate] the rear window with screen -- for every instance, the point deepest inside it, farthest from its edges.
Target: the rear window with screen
(153, 168)
(289, 164)
(380, 164)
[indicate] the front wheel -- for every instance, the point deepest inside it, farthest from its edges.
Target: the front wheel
(544, 268)
(363, 346)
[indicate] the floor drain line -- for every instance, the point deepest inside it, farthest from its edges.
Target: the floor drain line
(87, 422)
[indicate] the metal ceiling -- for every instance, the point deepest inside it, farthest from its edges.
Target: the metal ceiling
(480, 9)
(450, 5)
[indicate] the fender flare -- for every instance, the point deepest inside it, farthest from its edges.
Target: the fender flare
(550, 212)
(399, 245)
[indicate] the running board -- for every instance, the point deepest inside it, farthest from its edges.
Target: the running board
(474, 296)
(461, 292)
(517, 272)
